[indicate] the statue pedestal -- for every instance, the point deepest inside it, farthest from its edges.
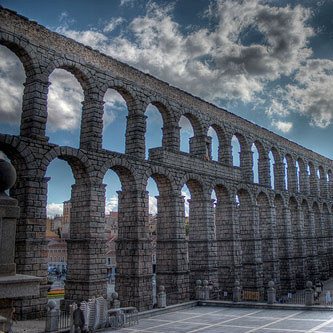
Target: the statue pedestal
(18, 286)
(12, 285)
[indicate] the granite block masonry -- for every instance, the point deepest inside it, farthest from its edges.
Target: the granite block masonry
(254, 234)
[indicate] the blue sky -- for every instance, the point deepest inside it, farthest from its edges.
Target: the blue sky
(269, 62)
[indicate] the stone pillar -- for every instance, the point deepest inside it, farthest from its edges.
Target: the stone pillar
(271, 293)
(269, 245)
(161, 297)
(202, 245)
(31, 244)
(34, 109)
(86, 266)
(246, 164)
(312, 258)
(225, 152)
(205, 291)
(171, 139)
(285, 251)
(309, 294)
(91, 124)
(279, 182)
(198, 290)
(237, 292)
(133, 251)
(52, 317)
(292, 178)
(135, 135)
(323, 185)
(252, 265)
(172, 269)
(201, 146)
(330, 242)
(228, 244)
(304, 181)
(320, 232)
(314, 184)
(300, 260)
(330, 185)
(264, 171)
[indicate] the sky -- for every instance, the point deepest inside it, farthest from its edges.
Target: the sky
(270, 62)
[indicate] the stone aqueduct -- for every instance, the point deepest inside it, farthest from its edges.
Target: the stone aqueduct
(280, 234)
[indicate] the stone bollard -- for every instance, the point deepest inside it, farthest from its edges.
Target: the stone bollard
(236, 292)
(161, 297)
(52, 317)
(115, 301)
(198, 290)
(309, 294)
(271, 293)
(205, 290)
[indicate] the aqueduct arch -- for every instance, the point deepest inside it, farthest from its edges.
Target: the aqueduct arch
(273, 230)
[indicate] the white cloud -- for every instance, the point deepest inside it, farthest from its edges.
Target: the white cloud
(111, 205)
(114, 104)
(223, 62)
(312, 94)
(12, 77)
(113, 24)
(127, 3)
(186, 125)
(216, 63)
(54, 209)
(64, 101)
(277, 108)
(152, 205)
(187, 196)
(283, 126)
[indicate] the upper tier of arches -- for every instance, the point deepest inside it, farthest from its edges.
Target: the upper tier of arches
(294, 168)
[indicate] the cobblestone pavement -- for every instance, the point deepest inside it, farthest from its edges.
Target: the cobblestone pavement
(236, 320)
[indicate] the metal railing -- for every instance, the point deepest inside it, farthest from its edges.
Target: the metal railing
(64, 320)
(297, 298)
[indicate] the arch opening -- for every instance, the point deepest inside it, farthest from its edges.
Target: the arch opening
(186, 133)
(12, 78)
(58, 220)
(298, 176)
(236, 149)
(286, 183)
(255, 164)
(154, 128)
(114, 121)
(214, 143)
(271, 169)
(64, 108)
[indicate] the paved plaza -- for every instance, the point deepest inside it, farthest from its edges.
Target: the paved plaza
(235, 320)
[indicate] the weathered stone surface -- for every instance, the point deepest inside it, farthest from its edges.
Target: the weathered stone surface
(282, 234)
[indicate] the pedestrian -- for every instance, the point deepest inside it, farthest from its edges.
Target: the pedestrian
(318, 289)
(78, 319)
(11, 320)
